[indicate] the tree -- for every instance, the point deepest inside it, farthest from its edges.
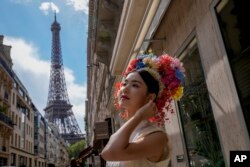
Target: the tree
(76, 148)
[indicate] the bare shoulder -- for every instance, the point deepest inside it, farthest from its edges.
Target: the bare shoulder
(155, 144)
(157, 136)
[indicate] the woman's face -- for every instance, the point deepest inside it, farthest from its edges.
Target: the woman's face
(133, 93)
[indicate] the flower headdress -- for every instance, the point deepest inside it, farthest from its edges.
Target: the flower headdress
(169, 73)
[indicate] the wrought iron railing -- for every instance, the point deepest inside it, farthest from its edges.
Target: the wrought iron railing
(4, 118)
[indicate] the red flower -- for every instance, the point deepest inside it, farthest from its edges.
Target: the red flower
(174, 84)
(132, 66)
(117, 88)
(116, 93)
(166, 66)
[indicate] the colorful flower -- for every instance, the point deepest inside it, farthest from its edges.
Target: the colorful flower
(179, 75)
(168, 71)
(179, 93)
(140, 65)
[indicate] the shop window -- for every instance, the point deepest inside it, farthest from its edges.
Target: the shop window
(13, 159)
(196, 115)
(233, 21)
(3, 161)
(21, 161)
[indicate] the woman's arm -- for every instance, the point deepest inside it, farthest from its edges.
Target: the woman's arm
(119, 148)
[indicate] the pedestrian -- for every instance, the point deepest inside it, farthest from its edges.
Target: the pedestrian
(149, 85)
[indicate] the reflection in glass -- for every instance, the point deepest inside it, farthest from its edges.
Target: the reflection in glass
(232, 18)
(198, 124)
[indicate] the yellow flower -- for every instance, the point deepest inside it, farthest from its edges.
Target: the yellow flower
(151, 63)
(150, 51)
(179, 93)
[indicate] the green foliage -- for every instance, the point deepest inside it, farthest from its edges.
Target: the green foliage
(208, 147)
(76, 148)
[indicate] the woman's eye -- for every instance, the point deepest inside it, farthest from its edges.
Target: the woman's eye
(124, 84)
(135, 85)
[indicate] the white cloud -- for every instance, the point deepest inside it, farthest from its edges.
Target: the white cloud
(79, 5)
(47, 6)
(34, 74)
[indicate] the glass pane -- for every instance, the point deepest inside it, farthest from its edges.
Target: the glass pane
(235, 30)
(201, 138)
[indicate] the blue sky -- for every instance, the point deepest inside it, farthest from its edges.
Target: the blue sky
(26, 24)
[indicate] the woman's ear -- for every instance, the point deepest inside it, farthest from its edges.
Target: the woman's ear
(152, 96)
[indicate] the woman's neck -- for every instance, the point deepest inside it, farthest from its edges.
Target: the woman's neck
(130, 113)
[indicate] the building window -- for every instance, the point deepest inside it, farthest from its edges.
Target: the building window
(3, 161)
(21, 160)
(23, 122)
(12, 139)
(13, 98)
(6, 95)
(13, 117)
(15, 140)
(13, 159)
(19, 123)
(19, 141)
(21, 92)
(196, 115)
(15, 85)
(232, 19)
(27, 112)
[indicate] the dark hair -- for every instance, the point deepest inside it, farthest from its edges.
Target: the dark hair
(151, 82)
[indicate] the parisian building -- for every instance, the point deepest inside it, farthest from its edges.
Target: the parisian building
(6, 82)
(40, 140)
(26, 139)
(212, 40)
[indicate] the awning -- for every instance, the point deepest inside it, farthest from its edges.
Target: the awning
(86, 152)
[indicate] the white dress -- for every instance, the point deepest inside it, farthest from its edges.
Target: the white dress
(143, 129)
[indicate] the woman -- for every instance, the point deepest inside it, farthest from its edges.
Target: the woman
(150, 83)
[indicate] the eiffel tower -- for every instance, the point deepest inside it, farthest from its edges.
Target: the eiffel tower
(58, 109)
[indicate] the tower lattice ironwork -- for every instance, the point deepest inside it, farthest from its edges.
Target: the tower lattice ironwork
(58, 109)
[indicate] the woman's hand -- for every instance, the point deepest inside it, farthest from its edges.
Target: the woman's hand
(147, 111)
(119, 148)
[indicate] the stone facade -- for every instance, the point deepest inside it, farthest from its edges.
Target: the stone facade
(23, 130)
(180, 28)
(6, 82)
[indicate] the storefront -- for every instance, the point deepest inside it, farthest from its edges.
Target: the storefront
(212, 118)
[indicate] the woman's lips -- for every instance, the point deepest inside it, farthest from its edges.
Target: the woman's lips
(124, 97)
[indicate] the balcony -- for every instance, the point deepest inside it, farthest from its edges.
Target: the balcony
(5, 119)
